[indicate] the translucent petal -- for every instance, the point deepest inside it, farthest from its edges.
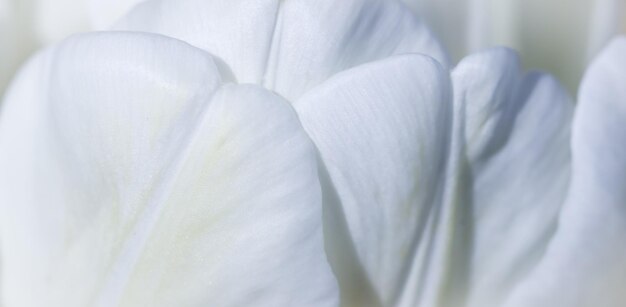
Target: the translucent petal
(132, 177)
(382, 130)
(288, 46)
(585, 263)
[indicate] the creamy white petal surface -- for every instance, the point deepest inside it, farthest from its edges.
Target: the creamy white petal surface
(133, 177)
(517, 138)
(237, 32)
(382, 132)
(558, 36)
(585, 263)
(134, 171)
(288, 46)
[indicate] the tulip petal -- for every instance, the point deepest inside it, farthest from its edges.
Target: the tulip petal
(316, 39)
(288, 46)
(238, 32)
(131, 177)
(485, 88)
(245, 214)
(585, 263)
(517, 145)
(382, 133)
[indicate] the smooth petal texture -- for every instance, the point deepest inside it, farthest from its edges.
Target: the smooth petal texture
(131, 178)
(238, 32)
(382, 133)
(288, 46)
(585, 263)
(244, 222)
(558, 36)
(485, 87)
(517, 143)
(316, 39)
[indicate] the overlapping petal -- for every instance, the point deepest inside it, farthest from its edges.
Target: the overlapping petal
(517, 136)
(585, 262)
(238, 32)
(133, 177)
(382, 130)
(288, 46)
(557, 36)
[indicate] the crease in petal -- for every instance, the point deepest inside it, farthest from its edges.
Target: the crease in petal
(516, 133)
(289, 46)
(317, 39)
(77, 146)
(484, 85)
(96, 166)
(237, 32)
(381, 130)
(248, 224)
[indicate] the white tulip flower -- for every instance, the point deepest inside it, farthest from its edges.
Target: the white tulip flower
(151, 178)
(307, 153)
